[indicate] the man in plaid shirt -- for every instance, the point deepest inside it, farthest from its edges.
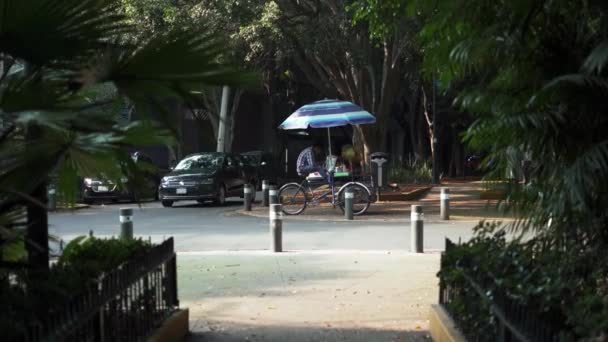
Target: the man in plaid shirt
(307, 162)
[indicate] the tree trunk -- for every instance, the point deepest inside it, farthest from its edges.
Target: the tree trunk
(422, 130)
(234, 105)
(37, 235)
(429, 123)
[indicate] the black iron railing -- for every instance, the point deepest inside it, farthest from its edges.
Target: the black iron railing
(127, 304)
(509, 321)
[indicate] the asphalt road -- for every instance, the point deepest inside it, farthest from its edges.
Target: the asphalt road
(197, 227)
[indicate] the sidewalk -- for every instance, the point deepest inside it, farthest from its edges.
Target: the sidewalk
(308, 296)
(465, 205)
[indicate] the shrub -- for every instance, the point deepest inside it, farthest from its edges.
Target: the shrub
(84, 260)
(563, 287)
(91, 256)
(411, 171)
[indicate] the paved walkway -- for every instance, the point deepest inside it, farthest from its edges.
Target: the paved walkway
(323, 295)
(465, 205)
(308, 296)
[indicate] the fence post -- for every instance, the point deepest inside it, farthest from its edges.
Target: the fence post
(348, 204)
(273, 194)
(265, 199)
(417, 229)
(248, 195)
(276, 227)
(445, 204)
(126, 223)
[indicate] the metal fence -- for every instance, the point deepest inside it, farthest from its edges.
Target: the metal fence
(127, 304)
(508, 321)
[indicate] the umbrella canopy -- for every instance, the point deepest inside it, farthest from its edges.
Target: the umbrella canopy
(326, 114)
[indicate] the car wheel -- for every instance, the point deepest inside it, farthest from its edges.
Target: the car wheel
(167, 204)
(221, 196)
(201, 201)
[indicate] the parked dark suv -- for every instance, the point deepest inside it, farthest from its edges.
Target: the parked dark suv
(205, 176)
(99, 188)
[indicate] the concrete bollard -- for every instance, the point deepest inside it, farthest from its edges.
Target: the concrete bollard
(265, 199)
(276, 227)
(348, 204)
(417, 229)
(445, 204)
(126, 223)
(52, 200)
(273, 195)
(247, 196)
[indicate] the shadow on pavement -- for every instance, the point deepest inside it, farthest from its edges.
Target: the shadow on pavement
(228, 204)
(272, 333)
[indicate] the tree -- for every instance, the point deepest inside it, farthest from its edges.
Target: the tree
(244, 25)
(533, 79)
(534, 75)
(57, 119)
(342, 61)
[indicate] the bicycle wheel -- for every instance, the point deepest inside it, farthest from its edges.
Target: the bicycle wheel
(361, 199)
(293, 198)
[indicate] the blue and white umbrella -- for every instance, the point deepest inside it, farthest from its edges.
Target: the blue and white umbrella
(327, 114)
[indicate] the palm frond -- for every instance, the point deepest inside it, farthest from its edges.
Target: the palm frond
(597, 59)
(156, 68)
(57, 33)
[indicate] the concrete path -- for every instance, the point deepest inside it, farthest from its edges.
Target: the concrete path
(338, 281)
(308, 296)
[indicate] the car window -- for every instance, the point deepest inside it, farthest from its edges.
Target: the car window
(206, 162)
(253, 160)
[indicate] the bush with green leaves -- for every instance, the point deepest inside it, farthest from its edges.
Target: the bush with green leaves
(564, 289)
(91, 256)
(84, 260)
(410, 172)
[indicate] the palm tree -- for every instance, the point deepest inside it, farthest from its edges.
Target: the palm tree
(58, 59)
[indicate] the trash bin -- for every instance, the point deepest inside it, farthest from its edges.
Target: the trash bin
(379, 162)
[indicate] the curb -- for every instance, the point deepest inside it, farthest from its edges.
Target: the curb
(173, 329)
(413, 195)
(443, 328)
(339, 218)
(77, 206)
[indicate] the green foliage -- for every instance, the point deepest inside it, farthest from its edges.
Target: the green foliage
(534, 77)
(533, 73)
(84, 260)
(565, 290)
(384, 17)
(69, 68)
(89, 256)
(411, 172)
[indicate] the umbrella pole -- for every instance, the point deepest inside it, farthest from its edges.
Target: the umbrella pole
(329, 140)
